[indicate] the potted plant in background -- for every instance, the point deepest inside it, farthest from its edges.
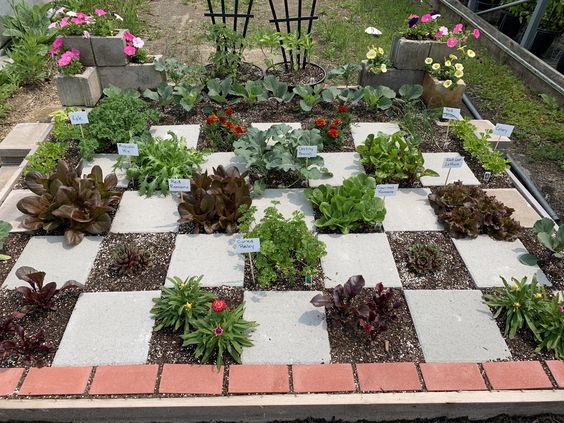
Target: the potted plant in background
(509, 22)
(443, 84)
(77, 85)
(550, 27)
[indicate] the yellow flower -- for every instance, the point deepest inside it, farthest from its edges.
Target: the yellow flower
(383, 68)
(459, 66)
(380, 50)
(188, 306)
(459, 74)
(470, 53)
(452, 57)
(516, 305)
(447, 83)
(538, 295)
(515, 287)
(428, 61)
(436, 66)
(371, 54)
(460, 82)
(448, 63)
(181, 285)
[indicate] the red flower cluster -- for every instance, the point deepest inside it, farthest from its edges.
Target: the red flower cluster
(218, 305)
(329, 129)
(343, 109)
(222, 129)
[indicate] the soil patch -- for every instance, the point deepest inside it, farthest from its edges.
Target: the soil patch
(552, 267)
(159, 246)
(452, 274)
(308, 75)
(14, 244)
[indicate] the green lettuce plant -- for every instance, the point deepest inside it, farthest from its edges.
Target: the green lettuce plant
(393, 157)
(349, 206)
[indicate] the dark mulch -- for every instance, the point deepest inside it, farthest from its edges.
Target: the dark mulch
(398, 343)
(53, 323)
(552, 267)
(166, 345)
(522, 346)
(308, 75)
(282, 284)
(103, 278)
(453, 273)
(13, 247)
(278, 179)
(362, 228)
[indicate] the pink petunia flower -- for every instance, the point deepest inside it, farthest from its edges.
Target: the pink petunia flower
(81, 15)
(65, 59)
(64, 22)
(130, 50)
(86, 34)
(54, 51)
(476, 33)
(100, 12)
(426, 18)
(457, 28)
(77, 21)
(128, 36)
(75, 53)
(138, 42)
(438, 34)
(58, 43)
(452, 42)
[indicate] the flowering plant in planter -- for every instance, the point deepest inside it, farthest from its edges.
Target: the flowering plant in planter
(221, 129)
(377, 62)
(69, 22)
(331, 130)
(134, 48)
(421, 27)
(67, 60)
(457, 36)
(450, 73)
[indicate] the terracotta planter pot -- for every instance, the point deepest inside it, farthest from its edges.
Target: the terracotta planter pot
(436, 95)
(411, 54)
(393, 79)
(108, 51)
(79, 90)
(83, 45)
(139, 76)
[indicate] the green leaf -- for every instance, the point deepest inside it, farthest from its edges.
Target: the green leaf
(528, 259)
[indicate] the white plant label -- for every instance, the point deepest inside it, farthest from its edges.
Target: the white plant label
(179, 185)
(306, 151)
(386, 190)
(78, 118)
(503, 130)
(128, 149)
(451, 113)
(247, 245)
(453, 162)
(373, 31)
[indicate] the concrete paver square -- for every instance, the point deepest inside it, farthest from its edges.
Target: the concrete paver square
(191, 133)
(410, 210)
(106, 163)
(224, 159)
(524, 213)
(357, 254)
(108, 328)
(488, 259)
(139, 214)
(22, 139)
(59, 261)
(291, 200)
(10, 213)
(434, 161)
(290, 331)
(213, 256)
(341, 165)
(361, 130)
(455, 326)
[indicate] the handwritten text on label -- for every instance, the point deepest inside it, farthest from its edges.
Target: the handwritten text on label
(453, 162)
(386, 190)
(247, 245)
(128, 149)
(305, 151)
(451, 113)
(179, 185)
(78, 118)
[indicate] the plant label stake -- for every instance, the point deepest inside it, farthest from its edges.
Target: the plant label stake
(502, 130)
(452, 163)
(386, 190)
(308, 279)
(248, 246)
(179, 185)
(450, 113)
(128, 149)
(306, 151)
(79, 118)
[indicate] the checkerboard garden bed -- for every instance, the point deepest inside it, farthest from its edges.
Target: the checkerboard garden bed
(444, 338)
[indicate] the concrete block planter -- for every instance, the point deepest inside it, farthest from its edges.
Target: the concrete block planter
(139, 76)
(79, 90)
(83, 45)
(393, 79)
(436, 95)
(411, 54)
(108, 51)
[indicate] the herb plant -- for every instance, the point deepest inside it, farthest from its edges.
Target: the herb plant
(288, 250)
(393, 157)
(349, 206)
(160, 160)
(129, 259)
(424, 258)
(180, 305)
(38, 295)
(66, 200)
(45, 158)
(222, 331)
(216, 202)
(468, 211)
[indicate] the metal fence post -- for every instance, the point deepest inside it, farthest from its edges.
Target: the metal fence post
(533, 25)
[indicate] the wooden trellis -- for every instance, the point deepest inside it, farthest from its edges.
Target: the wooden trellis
(235, 15)
(289, 19)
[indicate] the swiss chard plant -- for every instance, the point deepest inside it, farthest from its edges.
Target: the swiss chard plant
(348, 206)
(288, 249)
(216, 202)
(379, 311)
(392, 158)
(38, 294)
(181, 304)
(342, 299)
(5, 229)
(66, 200)
(32, 348)
(468, 211)
(160, 160)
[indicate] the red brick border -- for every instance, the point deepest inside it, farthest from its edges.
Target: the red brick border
(270, 379)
